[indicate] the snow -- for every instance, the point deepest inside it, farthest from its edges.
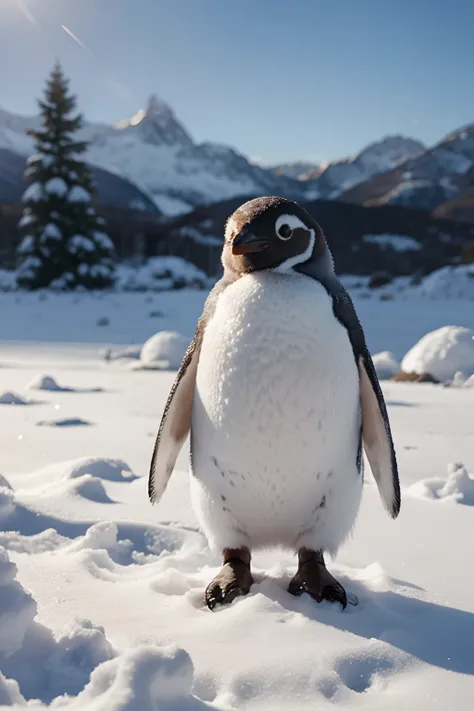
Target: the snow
(26, 245)
(56, 186)
(8, 398)
(398, 243)
(457, 487)
(79, 242)
(101, 594)
(385, 364)
(52, 231)
(46, 382)
(103, 240)
(165, 349)
(33, 193)
(79, 194)
(442, 353)
(449, 282)
(27, 219)
(159, 273)
(171, 206)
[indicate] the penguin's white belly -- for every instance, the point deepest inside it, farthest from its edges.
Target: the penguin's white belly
(276, 418)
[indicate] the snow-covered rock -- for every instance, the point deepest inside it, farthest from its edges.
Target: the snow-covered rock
(442, 353)
(385, 364)
(165, 349)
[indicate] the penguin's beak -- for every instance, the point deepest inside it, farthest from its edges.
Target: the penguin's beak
(246, 242)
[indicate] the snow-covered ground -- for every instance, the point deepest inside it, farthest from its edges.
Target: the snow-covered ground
(107, 611)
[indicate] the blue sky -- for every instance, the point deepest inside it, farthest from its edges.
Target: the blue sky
(278, 79)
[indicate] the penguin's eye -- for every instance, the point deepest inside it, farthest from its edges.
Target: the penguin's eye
(284, 231)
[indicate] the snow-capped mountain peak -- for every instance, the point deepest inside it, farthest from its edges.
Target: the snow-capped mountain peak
(156, 124)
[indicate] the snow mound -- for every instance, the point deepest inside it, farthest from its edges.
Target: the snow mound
(108, 469)
(17, 608)
(64, 422)
(9, 398)
(385, 364)
(449, 283)
(147, 678)
(46, 382)
(160, 274)
(164, 350)
(7, 281)
(10, 693)
(458, 486)
(7, 501)
(442, 353)
(4, 483)
(90, 488)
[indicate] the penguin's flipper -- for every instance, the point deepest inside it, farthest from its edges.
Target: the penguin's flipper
(174, 426)
(176, 420)
(376, 432)
(377, 436)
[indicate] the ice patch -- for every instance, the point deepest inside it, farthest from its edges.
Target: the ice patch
(385, 364)
(442, 353)
(164, 350)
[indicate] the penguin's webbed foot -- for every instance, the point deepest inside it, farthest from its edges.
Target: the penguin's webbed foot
(314, 578)
(233, 579)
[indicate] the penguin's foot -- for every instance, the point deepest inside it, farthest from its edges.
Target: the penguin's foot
(233, 579)
(314, 578)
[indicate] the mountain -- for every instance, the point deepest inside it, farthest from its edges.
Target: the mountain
(439, 175)
(338, 176)
(376, 158)
(154, 151)
(297, 170)
(112, 190)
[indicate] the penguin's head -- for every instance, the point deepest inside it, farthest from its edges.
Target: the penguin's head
(272, 233)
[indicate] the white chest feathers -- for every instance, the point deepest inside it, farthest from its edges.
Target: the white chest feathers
(276, 368)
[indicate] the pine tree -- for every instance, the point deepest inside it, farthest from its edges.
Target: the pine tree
(64, 245)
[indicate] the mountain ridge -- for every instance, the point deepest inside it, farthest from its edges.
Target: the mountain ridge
(154, 151)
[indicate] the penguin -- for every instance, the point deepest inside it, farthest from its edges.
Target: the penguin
(279, 394)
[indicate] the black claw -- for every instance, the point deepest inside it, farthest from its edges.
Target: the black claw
(335, 593)
(215, 595)
(296, 588)
(331, 593)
